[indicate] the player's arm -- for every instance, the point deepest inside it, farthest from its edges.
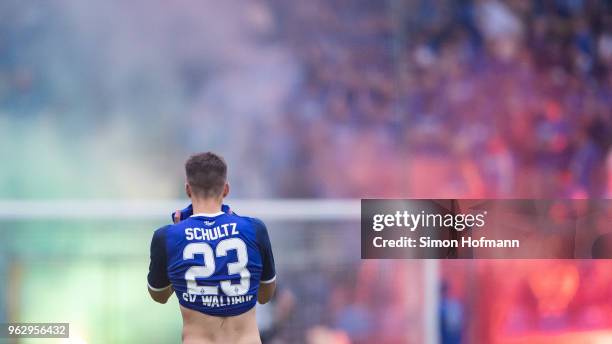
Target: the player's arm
(159, 285)
(161, 296)
(267, 284)
(266, 292)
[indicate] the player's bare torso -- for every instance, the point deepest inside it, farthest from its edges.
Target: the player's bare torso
(199, 328)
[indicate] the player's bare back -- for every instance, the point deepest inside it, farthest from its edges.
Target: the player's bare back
(199, 328)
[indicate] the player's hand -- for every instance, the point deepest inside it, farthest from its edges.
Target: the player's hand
(176, 216)
(180, 215)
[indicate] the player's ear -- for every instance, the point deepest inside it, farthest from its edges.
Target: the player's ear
(188, 190)
(225, 190)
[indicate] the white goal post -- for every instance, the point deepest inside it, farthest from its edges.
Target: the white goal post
(269, 209)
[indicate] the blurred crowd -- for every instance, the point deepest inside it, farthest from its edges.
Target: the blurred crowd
(442, 98)
(451, 98)
(481, 99)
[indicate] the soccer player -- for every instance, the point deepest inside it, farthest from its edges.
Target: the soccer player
(217, 263)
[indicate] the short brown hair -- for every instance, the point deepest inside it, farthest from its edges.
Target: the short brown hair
(206, 174)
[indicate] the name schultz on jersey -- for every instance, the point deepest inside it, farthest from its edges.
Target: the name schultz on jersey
(211, 233)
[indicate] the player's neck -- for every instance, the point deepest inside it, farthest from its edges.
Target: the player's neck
(206, 205)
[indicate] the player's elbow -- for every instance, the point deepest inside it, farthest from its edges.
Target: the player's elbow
(159, 299)
(160, 296)
(162, 301)
(266, 292)
(263, 299)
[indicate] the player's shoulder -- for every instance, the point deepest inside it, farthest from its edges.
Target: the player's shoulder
(158, 242)
(161, 232)
(259, 229)
(172, 230)
(254, 222)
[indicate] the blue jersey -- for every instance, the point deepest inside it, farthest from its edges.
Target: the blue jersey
(214, 262)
